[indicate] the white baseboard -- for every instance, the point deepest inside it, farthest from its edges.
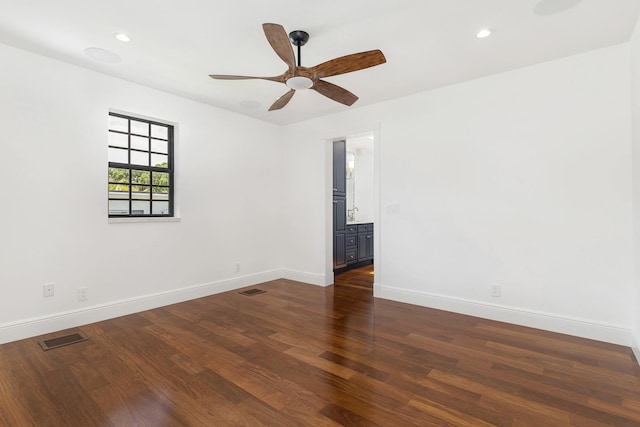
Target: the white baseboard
(636, 346)
(584, 328)
(301, 276)
(377, 290)
(26, 328)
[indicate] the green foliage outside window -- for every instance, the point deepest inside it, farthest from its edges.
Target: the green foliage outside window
(119, 179)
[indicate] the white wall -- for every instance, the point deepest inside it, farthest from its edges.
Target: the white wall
(521, 179)
(54, 155)
(635, 110)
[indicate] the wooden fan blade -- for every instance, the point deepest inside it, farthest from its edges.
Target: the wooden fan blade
(334, 92)
(348, 63)
(279, 79)
(279, 41)
(282, 101)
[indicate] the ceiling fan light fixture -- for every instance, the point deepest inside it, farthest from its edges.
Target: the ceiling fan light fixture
(299, 83)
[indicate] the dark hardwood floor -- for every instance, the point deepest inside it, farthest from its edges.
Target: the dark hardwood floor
(302, 355)
(361, 278)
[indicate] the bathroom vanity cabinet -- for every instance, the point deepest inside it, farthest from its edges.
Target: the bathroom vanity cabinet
(352, 242)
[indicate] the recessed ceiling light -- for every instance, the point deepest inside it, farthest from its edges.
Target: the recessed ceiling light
(102, 55)
(485, 32)
(122, 37)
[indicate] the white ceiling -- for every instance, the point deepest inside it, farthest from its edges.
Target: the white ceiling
(175, 44)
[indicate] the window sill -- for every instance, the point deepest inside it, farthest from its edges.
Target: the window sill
(143, 219)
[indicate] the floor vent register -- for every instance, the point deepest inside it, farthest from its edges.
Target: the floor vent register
(252, 292)
(62, 341)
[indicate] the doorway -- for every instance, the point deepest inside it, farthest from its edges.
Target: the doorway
(354, 208)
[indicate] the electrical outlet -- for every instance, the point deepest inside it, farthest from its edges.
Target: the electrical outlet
(83, 294)
(48, 289)
(495, 291)
(237, 267)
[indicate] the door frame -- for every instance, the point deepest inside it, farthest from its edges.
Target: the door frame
(328, 196)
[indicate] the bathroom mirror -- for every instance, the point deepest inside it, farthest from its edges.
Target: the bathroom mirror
(359, 165)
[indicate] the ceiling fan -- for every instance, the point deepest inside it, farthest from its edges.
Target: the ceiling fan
(298, 77)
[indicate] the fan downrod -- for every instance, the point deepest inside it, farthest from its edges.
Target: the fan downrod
(299, 38)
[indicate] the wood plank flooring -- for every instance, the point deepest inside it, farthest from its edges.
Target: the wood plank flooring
(302, 355)
(361, 278)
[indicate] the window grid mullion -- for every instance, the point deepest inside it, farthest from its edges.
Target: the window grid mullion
(149, 146)
(152, 171)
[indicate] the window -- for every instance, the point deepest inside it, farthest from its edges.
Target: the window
(140, 167)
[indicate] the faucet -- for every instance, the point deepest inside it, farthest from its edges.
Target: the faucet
(351, 213)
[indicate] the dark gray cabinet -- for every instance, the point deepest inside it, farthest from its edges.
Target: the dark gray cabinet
(340, 168)
(357, 241)
(341, 255)
(339, 214)
(339, 232)
(339, 251)
(365, 242)
(352, 244)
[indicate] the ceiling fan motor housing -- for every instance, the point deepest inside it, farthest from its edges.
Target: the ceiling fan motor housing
(299, 37)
